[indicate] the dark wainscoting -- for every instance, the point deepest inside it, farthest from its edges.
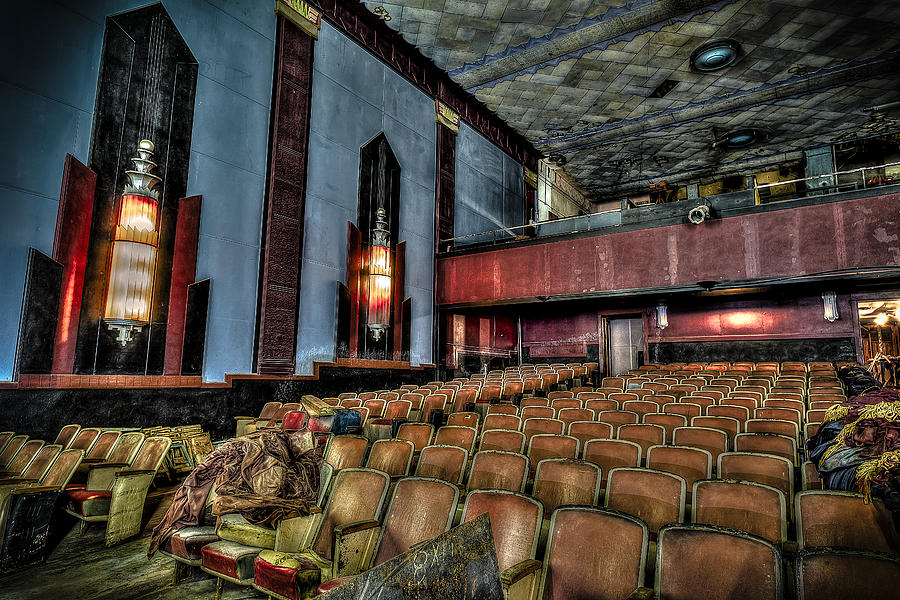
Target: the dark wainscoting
(41, 413)
(810, 349)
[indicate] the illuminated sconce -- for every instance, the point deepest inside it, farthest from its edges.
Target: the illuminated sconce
(379, 314)
(829, 300)
(662, 315)
(134, 247)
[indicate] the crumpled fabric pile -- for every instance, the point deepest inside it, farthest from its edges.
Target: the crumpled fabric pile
(265, 476)
(858, 447)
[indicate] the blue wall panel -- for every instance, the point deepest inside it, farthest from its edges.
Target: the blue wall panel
(489, 188)
(47, 103)
(356, 97)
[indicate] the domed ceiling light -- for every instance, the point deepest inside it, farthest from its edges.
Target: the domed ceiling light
(715, 55)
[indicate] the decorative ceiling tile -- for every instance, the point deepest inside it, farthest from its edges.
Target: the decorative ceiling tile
(609, 84)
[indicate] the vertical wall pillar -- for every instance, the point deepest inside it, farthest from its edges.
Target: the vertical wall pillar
(445, 201)
(283, 235)
(445, 190)
(184, 267)
(70, 249)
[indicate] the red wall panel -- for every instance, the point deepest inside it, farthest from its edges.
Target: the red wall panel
(184, 267)
(752, 319)
(793, 241)
(70, 246)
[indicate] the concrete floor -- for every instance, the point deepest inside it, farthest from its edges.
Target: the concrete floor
(82, 567)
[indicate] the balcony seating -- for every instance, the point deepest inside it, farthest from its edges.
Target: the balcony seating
(126, 448)
(829, 573)
(26, 510)
(610, 454)
(35, 468)
(65, 435)
(420, 434)
(767, 443)
(23, 458)
(691, 464)
(267, 412)
(760, 468)
(502, 439)
(543, 446)
(644, 435)
(667, 421)
(346, 451)
(589, 430)
(392, 456)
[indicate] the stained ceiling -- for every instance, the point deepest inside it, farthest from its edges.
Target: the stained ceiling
(609, 85)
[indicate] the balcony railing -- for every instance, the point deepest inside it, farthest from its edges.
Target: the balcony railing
(806, 187)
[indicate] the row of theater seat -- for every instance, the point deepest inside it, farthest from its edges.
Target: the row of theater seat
(435, 454)
(588, 552)
(95, 474)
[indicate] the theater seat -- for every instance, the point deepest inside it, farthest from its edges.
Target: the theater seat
(515, 525)
(115, 492)
(830, 573)
(593, 553)
(307, 548)
(702, 561)
(420, 510)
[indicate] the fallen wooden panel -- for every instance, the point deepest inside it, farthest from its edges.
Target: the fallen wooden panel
(457, 565)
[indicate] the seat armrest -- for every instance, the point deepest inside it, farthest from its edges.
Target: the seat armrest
(297, 533)
(354, 547)
(92, 461)
(519, 571)
(642, 593)
(355, 527)
(244, 418)
(35, 489)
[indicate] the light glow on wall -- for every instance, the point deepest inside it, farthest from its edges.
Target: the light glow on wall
(741, 319)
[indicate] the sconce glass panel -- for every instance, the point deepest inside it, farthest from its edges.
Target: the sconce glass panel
(133, 264)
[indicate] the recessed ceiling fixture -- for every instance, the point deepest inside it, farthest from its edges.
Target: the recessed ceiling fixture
(740, 138)
(715, 55)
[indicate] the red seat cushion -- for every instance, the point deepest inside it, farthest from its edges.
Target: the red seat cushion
(287, 581)
(88, 503)
(230, 559)
(188, 542)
